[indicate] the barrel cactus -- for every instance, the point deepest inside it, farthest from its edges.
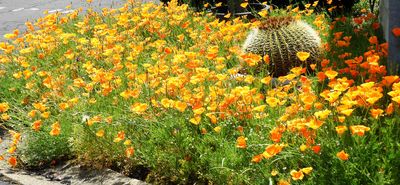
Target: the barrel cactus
(281, 38)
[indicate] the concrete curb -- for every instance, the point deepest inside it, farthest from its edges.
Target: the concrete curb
(20, 178)
(74, 175)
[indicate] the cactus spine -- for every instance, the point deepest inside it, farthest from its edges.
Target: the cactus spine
(281, 38)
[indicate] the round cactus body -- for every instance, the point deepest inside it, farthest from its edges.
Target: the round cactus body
(281, 38)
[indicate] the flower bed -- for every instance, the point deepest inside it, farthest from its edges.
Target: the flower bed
(148, 86)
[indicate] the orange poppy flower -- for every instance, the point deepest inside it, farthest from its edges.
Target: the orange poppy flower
(212, 117)
(274, 172)
(138, 108)
(325, 62)
(358, 20)
(251, 59)
(166, 103)
(12, 149)
(100, 133)
(396, 99)
(45, 115)
(315, 124)
(272, 102)
(373, 40)
(307, 170)
(63, 106)
(266, 59)
(321, 76)
(322, 114)
(338, 35)
(359, 129)
(40, 106)
(389, 80)
(217, 129)
(343, 155)
(313, 66)
(257, 158)
(259, 108)
(199, 110)
(341, 129)
(375, 113)
(396, 31)
(376, 25)
(203, 131)
(12, 161)
(167, 50)
(390, 109)
(120, 136)
(4, 107)
(346, 112)
(129, 152)
(373, 60)
(297, 70)
(5, 116)
(196, 120)
(303, 56)
(331, 74)
(266, 80)
(32, 113)
(347, 38)
(36, 125)
(283, 182)
(55, 129)
(241, 142)
(342, 43)
(316, 149)
(297, 175)
(272, 150)
(276, 135)
(180, 106)
(303, 147)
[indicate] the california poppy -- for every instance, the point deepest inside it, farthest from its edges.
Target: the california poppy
(4, 107)
(257, 158)
(129, 151)
(341, 129)
(120, 136)
(55, 129)
(342, 155)
(272, 150)
(297, 175)
(359, 129)
(241, 142)
(36, 125)
(12, 161)
(303, 56)
(396, 31)
(375, 113)
(307, 170)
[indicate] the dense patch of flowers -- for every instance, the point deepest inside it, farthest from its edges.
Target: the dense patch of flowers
(148, 61)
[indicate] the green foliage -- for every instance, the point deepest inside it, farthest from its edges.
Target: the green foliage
(40, 149)
(165, 140)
